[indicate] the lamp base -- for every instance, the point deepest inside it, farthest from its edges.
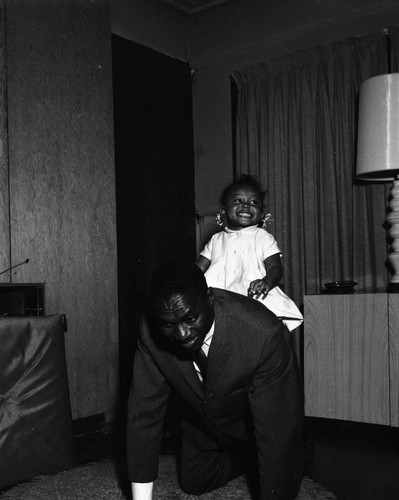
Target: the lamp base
(393, 221)
(393, 257)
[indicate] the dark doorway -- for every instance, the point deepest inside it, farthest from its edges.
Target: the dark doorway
(154, 177)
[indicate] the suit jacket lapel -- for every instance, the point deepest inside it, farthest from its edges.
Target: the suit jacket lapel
(189, 373)
(219, 352)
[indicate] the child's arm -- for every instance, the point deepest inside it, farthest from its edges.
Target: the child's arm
(274, 273)
(203, 263)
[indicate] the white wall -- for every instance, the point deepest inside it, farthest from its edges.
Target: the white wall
(153, 24)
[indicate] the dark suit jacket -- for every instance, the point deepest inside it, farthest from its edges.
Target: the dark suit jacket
(253, 389)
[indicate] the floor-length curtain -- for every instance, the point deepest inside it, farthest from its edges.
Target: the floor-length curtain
(296, 121)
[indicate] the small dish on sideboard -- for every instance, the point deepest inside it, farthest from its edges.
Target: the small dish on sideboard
(344, 286)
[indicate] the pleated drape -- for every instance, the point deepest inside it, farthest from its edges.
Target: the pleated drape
(296, 130)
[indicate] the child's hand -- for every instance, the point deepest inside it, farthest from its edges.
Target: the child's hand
(258, 288)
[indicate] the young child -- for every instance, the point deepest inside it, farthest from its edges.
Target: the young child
(245, 258)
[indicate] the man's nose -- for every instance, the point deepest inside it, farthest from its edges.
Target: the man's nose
(183, 331)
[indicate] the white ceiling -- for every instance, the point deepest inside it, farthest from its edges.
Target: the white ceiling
(191, 7)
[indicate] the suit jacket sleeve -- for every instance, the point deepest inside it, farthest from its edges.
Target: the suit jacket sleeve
(276, 400)
(146, 411)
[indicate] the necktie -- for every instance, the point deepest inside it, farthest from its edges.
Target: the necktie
(202, 361)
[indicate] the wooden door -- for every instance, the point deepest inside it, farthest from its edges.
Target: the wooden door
(154, 176)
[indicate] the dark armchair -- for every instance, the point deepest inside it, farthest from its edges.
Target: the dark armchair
(35, 413)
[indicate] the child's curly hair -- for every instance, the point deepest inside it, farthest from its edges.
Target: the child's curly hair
(243, 180)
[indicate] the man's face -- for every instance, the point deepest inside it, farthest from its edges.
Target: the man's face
(185, 319)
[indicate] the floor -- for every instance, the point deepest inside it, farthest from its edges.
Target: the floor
(354, 461)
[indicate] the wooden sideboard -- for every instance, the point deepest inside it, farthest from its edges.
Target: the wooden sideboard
(351, 357)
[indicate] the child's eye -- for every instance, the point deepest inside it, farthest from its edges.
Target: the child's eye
(191, 319)
(254, 202)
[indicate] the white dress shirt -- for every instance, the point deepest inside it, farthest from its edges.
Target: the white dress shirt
(205, 348)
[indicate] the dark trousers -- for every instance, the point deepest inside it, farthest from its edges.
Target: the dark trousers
(201, 471)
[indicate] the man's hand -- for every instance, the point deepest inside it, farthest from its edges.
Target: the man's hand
(258, 288)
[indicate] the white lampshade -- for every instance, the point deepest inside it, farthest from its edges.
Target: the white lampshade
(378, 132)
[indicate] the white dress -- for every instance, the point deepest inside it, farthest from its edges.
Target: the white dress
(237, 258)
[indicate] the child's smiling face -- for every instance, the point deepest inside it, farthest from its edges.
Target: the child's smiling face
(243, 207)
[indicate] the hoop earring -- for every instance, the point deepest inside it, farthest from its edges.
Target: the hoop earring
(219, 220)
(265, 219)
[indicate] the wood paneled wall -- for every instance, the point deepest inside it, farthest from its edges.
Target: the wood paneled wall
(62, 188)
(4, 199)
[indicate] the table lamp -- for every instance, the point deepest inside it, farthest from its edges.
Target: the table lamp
(378, 149)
